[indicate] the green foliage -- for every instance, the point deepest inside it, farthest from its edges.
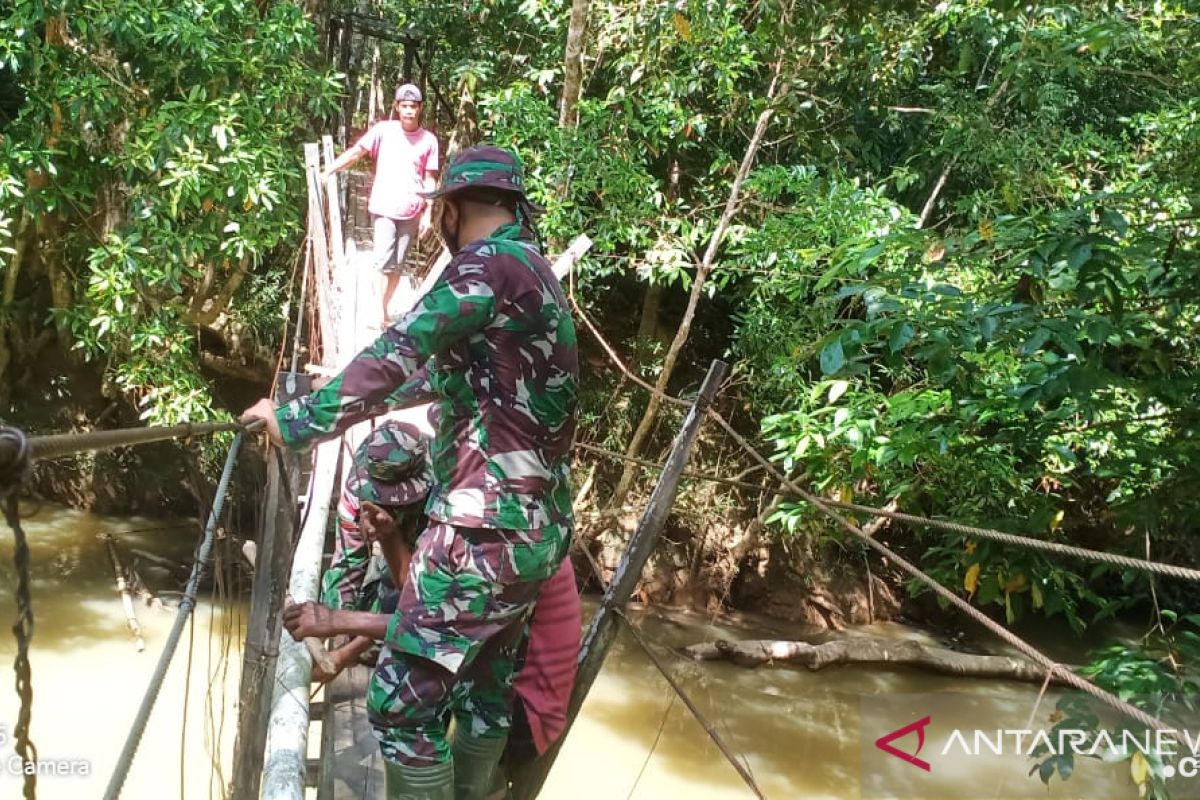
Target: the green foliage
(167, 137)
(1160, 676)
(1030, 363)
(963, 269)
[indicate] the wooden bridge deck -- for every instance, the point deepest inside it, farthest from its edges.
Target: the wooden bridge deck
(351, 766)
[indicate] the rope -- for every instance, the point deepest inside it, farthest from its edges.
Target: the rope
(612, 354)
(65, 444)
(1171, 570)
(687, 701)
(591, 448)
(653, 746)
(121, 771)
(23, 628)
(1014, 540)
(704, 723)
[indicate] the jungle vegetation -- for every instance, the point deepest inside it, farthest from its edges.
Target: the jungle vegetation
(959, 271)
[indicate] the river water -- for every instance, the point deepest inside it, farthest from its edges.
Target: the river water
(799, 733)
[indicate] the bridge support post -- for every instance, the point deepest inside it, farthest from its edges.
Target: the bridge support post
(603, 629)
(273, 563)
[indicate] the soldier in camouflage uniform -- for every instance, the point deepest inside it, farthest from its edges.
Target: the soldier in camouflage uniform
(389, 470)
(500, 348)
(380, 514)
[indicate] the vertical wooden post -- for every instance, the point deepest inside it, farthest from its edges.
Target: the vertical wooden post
(320, 248)
(260, 652)
(345, 54)
(337, 245)
(603, 629)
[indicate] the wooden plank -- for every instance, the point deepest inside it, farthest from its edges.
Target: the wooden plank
(603, 629)
(326, 310)
(337, 245)
(567, 260)
(352, 767)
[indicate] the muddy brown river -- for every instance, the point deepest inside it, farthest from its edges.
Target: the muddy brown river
(799, 733)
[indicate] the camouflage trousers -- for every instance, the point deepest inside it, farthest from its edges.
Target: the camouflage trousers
(451, 646)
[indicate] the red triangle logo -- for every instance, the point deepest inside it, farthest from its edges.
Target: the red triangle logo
(884, 743)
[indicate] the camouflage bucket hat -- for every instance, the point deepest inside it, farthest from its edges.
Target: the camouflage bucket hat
(483, 166)
(390, 467)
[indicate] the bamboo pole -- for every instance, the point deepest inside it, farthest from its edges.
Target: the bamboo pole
(123, 589)
(337, 245)
(287, 740)
(603, 629)
(320, 249)
(315, 647)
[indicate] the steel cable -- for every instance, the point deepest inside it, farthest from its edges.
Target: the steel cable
(1035, 655)
(125, 761)
(1171, 570)
(1029, 650)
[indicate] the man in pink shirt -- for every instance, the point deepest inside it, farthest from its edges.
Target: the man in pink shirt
(406, 163)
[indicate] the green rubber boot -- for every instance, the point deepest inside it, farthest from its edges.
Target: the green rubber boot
(419, 783)
(475, 760)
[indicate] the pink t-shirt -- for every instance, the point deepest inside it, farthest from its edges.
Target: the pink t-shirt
(401, 161)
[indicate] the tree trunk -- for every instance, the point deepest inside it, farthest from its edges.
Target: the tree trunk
(568, 115)
(465, 127)
(61, 292)
(868, 651)
(7, 330)
(206, 307)
(642, 433)
(651, 302)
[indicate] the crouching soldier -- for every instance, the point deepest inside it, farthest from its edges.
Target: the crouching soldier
(381, 512)
(383, 509)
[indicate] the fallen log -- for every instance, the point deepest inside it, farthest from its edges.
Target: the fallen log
(753, 653)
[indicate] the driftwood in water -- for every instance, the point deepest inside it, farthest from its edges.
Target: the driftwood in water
(752, 653)
(170, 565)
(123, 589)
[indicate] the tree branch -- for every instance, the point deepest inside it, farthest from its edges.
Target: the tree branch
(732, 205)
(205, 310)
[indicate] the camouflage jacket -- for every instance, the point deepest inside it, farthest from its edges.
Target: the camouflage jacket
(499, 345)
